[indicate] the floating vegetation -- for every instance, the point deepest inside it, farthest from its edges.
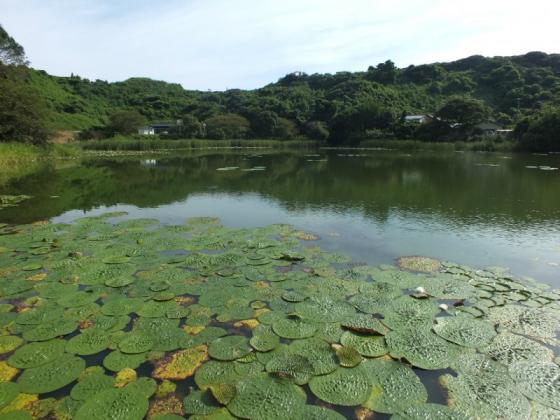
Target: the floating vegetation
(12, 200)
(263, 323)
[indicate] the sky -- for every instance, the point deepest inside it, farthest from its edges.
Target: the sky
(246, 44)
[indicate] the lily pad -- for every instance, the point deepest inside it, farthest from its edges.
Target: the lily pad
(229, 348)
(509, 348)
(291, 365)
(366, 345)
(422, 348)
(429, 411)
(467, 332)
(345, 386)
(539, 381)
(136, 343)
(9, 343)
(117, 361)
(91, 385)
(181, 364)
(90, 341)
(8, 391)
(293, 327)
(51, 376)
(37, 354)
(267, 398)
(115, 404)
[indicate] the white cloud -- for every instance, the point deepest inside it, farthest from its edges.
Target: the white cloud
(248, 43)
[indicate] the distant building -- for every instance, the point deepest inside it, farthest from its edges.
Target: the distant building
(146, 131)
(488, 128)
(418, 119)
(161, 127)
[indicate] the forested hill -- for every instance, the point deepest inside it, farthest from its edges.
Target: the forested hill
(505, 84)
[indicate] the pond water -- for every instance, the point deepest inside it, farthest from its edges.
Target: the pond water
(126, 291)
(480, 209)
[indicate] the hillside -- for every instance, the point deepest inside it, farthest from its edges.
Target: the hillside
(503, 83)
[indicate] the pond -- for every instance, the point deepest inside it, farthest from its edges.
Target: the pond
(481, 209)
(282, 284)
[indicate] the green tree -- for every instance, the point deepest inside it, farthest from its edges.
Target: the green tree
(231, 126)
(10, 51)
(541, 132)
(23, 112)
(317, 130)
(466, 112)
(126, 122)
(286, 129)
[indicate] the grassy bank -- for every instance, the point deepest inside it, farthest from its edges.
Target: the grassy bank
(486, 145)
(18, 160)
(135, 144)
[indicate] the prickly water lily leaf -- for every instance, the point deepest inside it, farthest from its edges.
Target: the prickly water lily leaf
(264, 339)
(407, 312)
(90, 341)
(117, 361)
(223, 392)
(51, 376)
(136, 343)
(144, 386)
(314, 412)
(509, 348)
(293, 327)
(37, 354)
(213, 372)
(348, 356)
(324, 309)
(8, 391)
(394, 386)
(291, 365)
(115, 404)
(422, 348)
(229, 348)
(119, 281)
(91, 385)
(526, 321)
(200, 402)
(49, 330)
(366, 345)
(467, 332)
(9, 343)
(181, 364)
(344, 386)
(116, 259)
(539, 381)
(264, 397)
(429, 411)
(365, 324)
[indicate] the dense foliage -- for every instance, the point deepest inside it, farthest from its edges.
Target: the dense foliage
(341, 108)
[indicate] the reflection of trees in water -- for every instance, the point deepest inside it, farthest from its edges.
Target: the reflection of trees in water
(457, 186)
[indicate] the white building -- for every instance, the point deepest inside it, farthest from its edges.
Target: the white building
(146, 131)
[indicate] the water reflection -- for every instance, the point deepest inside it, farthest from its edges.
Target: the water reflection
(479, 209)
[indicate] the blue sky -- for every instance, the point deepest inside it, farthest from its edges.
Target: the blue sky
(220, 44)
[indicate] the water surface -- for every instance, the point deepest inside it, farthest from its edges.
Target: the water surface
(480, 209)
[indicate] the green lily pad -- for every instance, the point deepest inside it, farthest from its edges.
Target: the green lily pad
(267, 398)
(119, 281)
(348, 356)
(117, 361)
(422, 348)
(229, 348)
(395, 386)
(314, 412)
(264, 339)
(135, 343)
(539, 381)
(51, 376)
(9, 343)
(116, 260)
(366, 345)
(345, 386)
(293, 327)
(291, 365)
(467, 332)
(90, 386)
(50, 330)
(90, 341)
(509, 348)
(8, 391)
(429, 411)
(115, 404)
(200, 402)
(324, 309)
(406, 312)
(37, 354)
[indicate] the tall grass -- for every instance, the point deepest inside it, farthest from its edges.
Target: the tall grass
(135, 144)
(484, 145)
(17, 160)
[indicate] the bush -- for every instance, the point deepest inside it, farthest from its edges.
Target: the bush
(540, 133)
(317, 130)
(227, 126)
(126, 122)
